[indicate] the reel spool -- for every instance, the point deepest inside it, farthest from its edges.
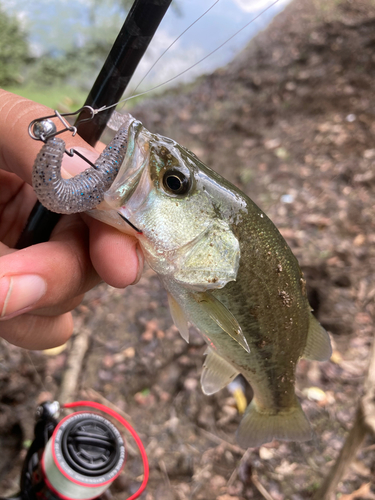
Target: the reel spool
(83, 457)
(77, 458)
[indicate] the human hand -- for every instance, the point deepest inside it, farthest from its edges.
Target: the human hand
(40, 284)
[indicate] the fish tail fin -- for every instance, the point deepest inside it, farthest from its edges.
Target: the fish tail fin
(259, 427)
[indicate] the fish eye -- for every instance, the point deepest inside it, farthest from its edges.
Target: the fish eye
(176, 182)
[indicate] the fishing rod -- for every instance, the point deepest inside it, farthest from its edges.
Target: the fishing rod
(127, 51)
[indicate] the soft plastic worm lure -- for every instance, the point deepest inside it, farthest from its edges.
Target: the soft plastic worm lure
(82, 192)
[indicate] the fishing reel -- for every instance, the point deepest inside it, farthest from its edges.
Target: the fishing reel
(77, 457)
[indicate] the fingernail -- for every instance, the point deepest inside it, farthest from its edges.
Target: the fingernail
(20, 292)
(140, 257)
(74, 164)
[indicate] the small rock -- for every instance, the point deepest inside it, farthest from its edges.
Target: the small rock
(266, 453)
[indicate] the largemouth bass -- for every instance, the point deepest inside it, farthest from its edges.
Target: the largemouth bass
(227, 270)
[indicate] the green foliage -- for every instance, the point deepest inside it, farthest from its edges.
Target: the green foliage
(14, 52)
(77, 67)
(87, 43)
(62, 97)
(85, 48)
(74, 63)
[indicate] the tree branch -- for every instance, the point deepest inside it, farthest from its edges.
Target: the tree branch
(364, 423)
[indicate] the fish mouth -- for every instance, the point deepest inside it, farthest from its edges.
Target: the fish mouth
(131, 170)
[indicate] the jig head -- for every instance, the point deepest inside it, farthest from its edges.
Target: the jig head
(42, 129)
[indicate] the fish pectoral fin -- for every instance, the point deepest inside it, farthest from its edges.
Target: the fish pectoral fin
(179, 318)
(217, 373)
(211, 260)
(258, 427)
(222, 317)
(318, 345)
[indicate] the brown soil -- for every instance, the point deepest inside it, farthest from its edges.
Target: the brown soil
(292, 122)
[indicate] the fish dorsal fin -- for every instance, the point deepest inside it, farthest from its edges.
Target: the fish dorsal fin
(318, 345)
(178, 317)
(211, 260)
(217, 373)
(222, 317)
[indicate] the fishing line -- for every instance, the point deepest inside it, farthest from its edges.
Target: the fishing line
(171, 45)
(190, 67)
(39, 377)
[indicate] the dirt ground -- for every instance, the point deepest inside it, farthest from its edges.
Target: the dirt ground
(292, 122)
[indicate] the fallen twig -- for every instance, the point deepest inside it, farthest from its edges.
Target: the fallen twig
(79, 346)
(259, 486)
(234, 474)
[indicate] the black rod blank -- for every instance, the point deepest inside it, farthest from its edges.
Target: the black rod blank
(135, 36)
(121, 63)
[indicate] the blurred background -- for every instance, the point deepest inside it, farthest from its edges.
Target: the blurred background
(51, 52)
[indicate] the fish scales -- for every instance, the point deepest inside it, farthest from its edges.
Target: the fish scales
(254, 298)
(256, 294)
(227, 270)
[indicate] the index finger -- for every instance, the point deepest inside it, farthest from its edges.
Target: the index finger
(17, 149)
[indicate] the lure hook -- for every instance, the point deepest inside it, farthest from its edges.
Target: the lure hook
(44, 128)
